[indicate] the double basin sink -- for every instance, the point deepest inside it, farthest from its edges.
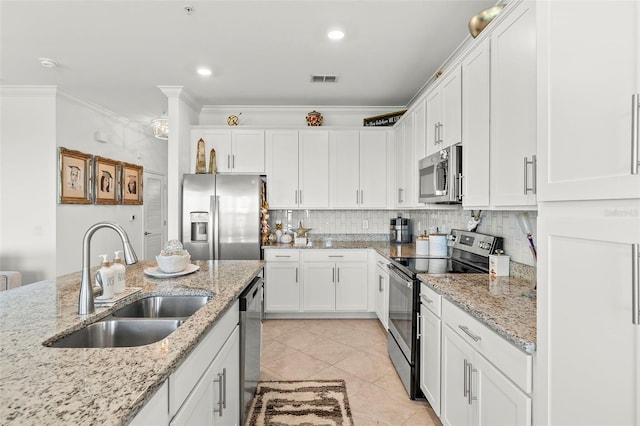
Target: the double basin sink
(142, 322)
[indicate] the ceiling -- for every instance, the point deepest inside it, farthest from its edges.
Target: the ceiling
(261, 52)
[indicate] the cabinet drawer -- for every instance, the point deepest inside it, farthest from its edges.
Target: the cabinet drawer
(281, 255)
(183, 380)
(430, 299)
(514, 363)
(330, 255)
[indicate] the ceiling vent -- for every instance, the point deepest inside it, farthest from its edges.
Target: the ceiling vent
(324, 78)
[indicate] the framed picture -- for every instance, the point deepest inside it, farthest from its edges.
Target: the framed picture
(106, 180)
(131, 184)
(74, 177)
(384, 119)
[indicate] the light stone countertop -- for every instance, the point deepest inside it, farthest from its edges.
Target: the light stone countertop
(107, 386)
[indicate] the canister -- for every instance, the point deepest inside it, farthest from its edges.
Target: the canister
(438, 245)
(422, 245)
(499, 265)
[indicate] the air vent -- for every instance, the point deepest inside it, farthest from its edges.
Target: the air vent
(324, 78)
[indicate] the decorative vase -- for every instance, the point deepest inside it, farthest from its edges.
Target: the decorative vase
(314, 118)
(478, 22)
(201, 166)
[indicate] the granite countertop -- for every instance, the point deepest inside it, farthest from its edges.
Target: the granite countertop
(498, 302)
(43, 385)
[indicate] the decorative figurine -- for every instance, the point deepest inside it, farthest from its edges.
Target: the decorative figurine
(233, 120)
(314, 118)
(201, 166)
(213, 168)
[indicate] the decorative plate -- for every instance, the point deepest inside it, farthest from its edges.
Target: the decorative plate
(157, 273)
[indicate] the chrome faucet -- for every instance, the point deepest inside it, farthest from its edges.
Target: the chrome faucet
(85, 302)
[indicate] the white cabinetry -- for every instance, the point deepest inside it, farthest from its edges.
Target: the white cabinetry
(237, 151)
(513, 108)
(298, 169)
(282, 280)
(444, 112)
(589, 252)
(475, 126)
(334, 280)
(358, 169)
(406, 167)
(420, 126)
(430, 345)
(585, 111)
(485, 380)
(156, 411)
(382, 290)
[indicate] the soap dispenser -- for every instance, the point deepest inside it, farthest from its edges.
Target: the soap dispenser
(104, 277)
(119, 273)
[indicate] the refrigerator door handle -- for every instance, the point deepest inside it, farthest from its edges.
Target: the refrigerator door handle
(211, 234)
(216, 227)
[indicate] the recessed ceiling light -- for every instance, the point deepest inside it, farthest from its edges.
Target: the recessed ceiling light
(204, 71)
(48, 63)
(335, 35)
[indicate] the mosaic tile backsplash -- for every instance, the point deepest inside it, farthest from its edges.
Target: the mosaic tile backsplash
(374, 225)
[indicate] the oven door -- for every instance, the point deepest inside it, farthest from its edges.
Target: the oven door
(401, 311)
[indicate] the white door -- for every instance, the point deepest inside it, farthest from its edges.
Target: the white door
(155, 213)
(430, 357)
(343, 163)
(452, 108)
(434, 120)
(399, 170)
(456, 353)
(420, 123)
(282, 168)
(319, 286)
(373, 169)
(248, 151)
(220, 140)
(513, 108)
(585, 111)
(351, 286)
(475, 127)
(227, 368)
(282, 287)
(313, 175)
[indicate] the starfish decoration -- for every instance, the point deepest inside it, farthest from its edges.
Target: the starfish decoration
(301, 232)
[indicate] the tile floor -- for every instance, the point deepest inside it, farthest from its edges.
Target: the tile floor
(353, 350)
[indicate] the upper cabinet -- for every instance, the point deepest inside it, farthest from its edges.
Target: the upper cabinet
(237, 151)
(406, 165)
(358, 168)
(589, 100)
(513, 109)
(444, 112)
(297, 169)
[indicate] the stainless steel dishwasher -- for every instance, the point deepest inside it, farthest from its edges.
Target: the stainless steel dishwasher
(251, 314)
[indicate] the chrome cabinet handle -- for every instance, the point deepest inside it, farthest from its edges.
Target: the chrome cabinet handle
(465, 387)
(426, 299)
(635, 279)
(534, 166)
(220, 391)
(435, 134)
(282, 255)
(635, 133)
(296, 196)
(361, 196)
(333, 275)
(357, 201)
(336, 255)
(233, 161)
(301, 196)
(419, 328)
(296, 275)
(380, 284)
(224, 388)
(468, 332)
(400, 191)
(338, 280)
(470, 395)
(228, 161)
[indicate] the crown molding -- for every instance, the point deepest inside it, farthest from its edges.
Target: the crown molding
(180, 93)
(29, 91)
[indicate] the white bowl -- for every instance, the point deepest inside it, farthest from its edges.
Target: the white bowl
(171, 264)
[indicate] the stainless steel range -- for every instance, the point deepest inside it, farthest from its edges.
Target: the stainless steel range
(469, 253)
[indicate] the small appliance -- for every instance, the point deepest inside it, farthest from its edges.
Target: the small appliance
(440, 176)
(400, 230)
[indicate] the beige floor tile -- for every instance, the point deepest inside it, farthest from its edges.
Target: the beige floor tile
(365, 365)
(353, 383)
(328, 350)
(391, 382)
(268, 375)
(377, 404)
(297, 339)
(272, 328)
(296, 366)
(425, 417)
(328, 328)
(273, 350)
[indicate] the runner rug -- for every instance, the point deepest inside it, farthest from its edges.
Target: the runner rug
(308, 402)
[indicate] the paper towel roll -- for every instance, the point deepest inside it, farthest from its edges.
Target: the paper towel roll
(438, 245)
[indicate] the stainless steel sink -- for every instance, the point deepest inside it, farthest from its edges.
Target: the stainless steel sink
(112, 333)
(163, 307)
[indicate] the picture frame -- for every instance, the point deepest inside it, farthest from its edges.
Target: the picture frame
(106, 180)
(131, 183)
(383, 120)
(74, 177)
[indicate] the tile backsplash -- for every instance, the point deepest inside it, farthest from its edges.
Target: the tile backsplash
(500, 223)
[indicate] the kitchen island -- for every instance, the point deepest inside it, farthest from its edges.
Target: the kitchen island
(44, 385)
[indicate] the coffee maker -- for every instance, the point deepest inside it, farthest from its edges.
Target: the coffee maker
(400, 230)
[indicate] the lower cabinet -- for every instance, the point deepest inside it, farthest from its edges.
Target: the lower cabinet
(382, 290)
(430, 346)
(214, 400)
(282, 281)
(474, 391)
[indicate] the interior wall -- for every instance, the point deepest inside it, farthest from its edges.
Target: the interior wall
(77, 122)
(499, 223)
(28, 182)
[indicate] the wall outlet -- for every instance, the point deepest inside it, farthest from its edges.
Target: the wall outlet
(365, 224)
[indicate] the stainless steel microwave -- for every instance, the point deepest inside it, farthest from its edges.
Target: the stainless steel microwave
(441, 176)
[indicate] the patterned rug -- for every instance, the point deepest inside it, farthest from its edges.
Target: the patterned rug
(305, 402)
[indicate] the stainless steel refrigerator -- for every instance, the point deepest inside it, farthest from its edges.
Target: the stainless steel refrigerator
(221, 216)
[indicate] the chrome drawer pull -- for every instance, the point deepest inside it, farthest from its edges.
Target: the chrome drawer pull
(468, 332)
(426, 299)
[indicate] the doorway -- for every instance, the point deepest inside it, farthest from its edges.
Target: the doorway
(155, 213)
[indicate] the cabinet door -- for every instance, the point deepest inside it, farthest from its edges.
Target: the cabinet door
(248, 151)
(351, 286)
(282, 287)
(434, 120)
(156, 411)
(499, 401)
(382, 296)
(220, 140)
(399, 187)
(227, 367)
(344, 147)
(282, 168)
(319, 286)
(410, 165)
(314, 169)
(451, 108)
(373, 169)
(513, 108)
(430, 357)
(475, 126)
(455, 407)
(586, 336)
(585, 112)
(420, 124)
